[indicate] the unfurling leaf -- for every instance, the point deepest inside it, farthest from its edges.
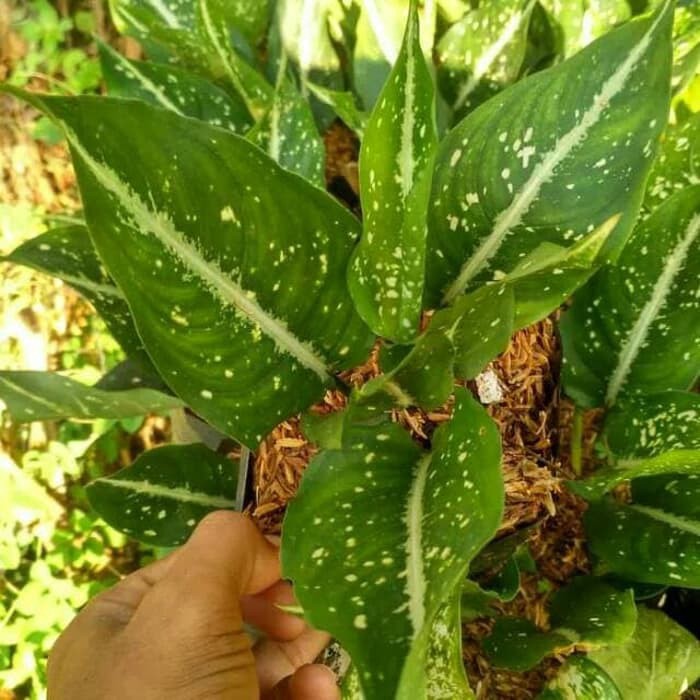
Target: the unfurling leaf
(533, 164)
(634, 328)
(162, 496)
(378, 542)
(387, 269)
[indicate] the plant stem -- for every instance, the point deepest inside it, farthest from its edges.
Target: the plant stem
(577, 441)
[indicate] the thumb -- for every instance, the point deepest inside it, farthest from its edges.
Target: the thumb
(313, 682)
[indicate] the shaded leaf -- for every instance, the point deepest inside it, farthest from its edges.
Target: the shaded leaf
(659, 662)
(482, 52)
(644, 543)
(33, 396)
(658, 434)
(679, 495)
(405, 525)
(131, 374)
(386, 273)
(172, 88)
(162, 496)
(344, 105)
(264, 318)
(634, 328)
(533, 165)
(586, 611)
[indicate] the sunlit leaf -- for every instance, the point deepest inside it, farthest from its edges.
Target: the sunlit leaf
(580, 679)
(264, 318)
(162, 496)
(659, 662)
(387, 269)
(33, 396)
(534, 165)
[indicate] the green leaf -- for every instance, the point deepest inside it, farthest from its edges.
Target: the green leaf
(482, 53)
(378, 42)
(659, 662)
(577, 24)
(387, 269)
(237, 292)
(678, 163)
(686, 45)
(131, 374)
(33, 396)
(172, 88)
(586, 611)
(288, 134)
(580, 679)
(533, 164)
(68, 253)
(162, 496)
(658, 434)
(672, 494)
(344, 105)
(386, 532)
(644, 543)
(302, 30)
(632, 329)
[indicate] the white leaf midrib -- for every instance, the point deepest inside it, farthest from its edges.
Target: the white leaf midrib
(512, 216)
(217, 282)
(146, 82)
(384, 41)
(406, 159)
(178, 494)
(32, 397)
(637, 335)
(416, 585)
(663, 516)
(490, 54)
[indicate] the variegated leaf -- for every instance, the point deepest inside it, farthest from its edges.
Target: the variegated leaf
(534, 163)
(673, 494)
(686, 45)
(659, 662)
(160, 498)
(344, 106)
(289, 135)
(586, 611)
(577, 24)
(301, 27)
(387, 539)
(244, 344)
(677, 165)
(635, 328)
(386, 272)
(580, 679)
(31, 396)
(483, 52)
(378, 42)
(172, 88)
(68, 253)
(645, 543)
(657, 434)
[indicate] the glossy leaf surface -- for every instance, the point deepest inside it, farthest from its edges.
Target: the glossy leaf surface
(580, 679)
(533, 164)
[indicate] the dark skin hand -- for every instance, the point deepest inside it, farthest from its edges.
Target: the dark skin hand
(174, 630)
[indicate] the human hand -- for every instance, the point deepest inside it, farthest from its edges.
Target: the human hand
(174, 630)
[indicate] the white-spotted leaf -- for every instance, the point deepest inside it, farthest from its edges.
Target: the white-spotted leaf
(580, 679)
(634, 328)
(385, 532)
(550, 159)
(160, 498)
